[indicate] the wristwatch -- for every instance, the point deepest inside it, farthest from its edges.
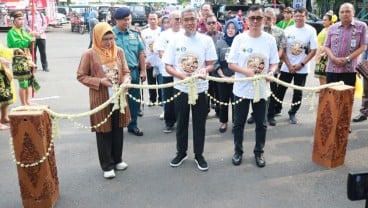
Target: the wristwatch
(301, 63)
(348, 58)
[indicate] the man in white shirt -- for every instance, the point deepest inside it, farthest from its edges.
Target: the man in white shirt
(301, 46)
(161, 44)
(150, 36)
(190, 53)
(252, 52)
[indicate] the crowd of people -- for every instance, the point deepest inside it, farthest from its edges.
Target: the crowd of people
(181, 44)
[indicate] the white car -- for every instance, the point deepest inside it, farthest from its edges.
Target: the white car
(61, 19)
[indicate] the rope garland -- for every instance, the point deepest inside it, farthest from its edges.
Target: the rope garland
(120, 93)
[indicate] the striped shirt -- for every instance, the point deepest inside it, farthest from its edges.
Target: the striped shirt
(344, 41)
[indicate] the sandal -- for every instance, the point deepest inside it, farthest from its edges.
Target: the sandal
(4, 127)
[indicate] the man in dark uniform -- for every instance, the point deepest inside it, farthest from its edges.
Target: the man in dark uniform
(133, 47)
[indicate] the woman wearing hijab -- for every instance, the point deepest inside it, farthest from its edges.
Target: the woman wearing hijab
(165, 23)
(225, 89)
(100, 67)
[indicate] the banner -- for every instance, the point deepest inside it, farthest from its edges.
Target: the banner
(299, 3)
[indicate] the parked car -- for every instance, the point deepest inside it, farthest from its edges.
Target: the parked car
(140, 14)
(315, 22)
(102, 12)
(65, 11)
(61, 19)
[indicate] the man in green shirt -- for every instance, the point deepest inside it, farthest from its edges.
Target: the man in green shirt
(133, 47)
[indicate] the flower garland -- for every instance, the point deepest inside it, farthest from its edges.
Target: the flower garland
(120, 93)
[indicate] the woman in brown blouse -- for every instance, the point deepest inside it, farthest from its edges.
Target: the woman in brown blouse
(100, 67)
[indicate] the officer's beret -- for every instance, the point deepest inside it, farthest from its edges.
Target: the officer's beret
(122, 12)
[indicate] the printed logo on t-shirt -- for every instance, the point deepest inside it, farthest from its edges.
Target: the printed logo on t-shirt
(247, 50)
(188, 62)
(296, 48)
(255, 62)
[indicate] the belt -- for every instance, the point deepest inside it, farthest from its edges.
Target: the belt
(133, 67)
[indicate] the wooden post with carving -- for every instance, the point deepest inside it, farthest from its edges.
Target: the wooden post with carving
(31, 132)
(333, 125)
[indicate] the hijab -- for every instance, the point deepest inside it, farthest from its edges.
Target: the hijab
(227, 39)
(162, 21)
(107, 55)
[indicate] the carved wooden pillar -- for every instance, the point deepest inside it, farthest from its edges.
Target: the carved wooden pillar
(332, 126)
(31, 132)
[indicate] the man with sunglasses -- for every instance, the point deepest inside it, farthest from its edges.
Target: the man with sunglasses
(163, 40)
(189, 54)
(206, 10)
(270, 27)
(212, 31)
(252, 52)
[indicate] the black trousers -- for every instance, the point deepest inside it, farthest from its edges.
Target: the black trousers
(169, 108)
(151, 80)
(225, 92)
(41, 45)
(240, 116)
(299, 80)
(110, 144)
(199, 116)
(348, 78)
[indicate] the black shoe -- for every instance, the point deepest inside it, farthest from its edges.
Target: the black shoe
(140, 113)
(201, 163)
(222, 129)
(271, 121)
(250, 120)
(46, 70)
(136, 131)
(168, 129)
(178, 160)
(359, 118)
(260, 160)
(292, 118)
(237, 158)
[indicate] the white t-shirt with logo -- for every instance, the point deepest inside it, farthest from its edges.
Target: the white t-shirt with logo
(161, 43)
(188, 55)
(150, 37)
(256, 53)
(298, 42)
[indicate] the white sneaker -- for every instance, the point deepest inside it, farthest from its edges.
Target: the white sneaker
(121, 166)
(162, 115)
(109, 174)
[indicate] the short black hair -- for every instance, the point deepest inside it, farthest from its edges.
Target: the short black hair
(301, 10)
(254, 8)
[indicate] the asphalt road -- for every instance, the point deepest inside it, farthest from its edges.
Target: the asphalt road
(289, 180)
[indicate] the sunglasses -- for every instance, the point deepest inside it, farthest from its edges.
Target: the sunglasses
(258, 18)
(211, 23)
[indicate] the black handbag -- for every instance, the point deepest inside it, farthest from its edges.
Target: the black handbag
(362, 68)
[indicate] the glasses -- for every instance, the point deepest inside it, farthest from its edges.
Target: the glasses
(177, 19)
(257, 18)
(193, 19)
(268, 18)
(299, 16)
(106, 40)
(211, 23)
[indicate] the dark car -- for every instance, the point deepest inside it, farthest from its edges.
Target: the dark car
(226, 12)
(140, 14)
(315, 22)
